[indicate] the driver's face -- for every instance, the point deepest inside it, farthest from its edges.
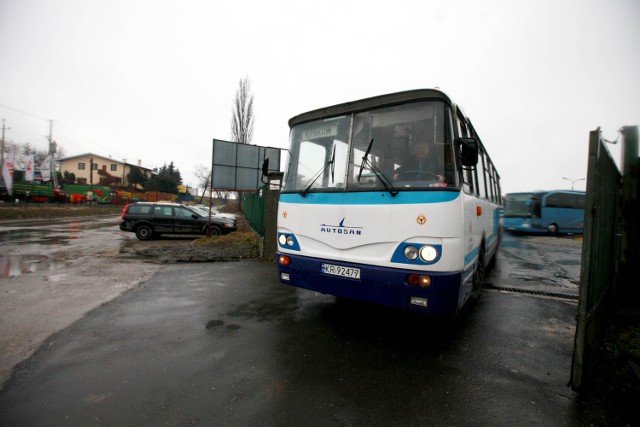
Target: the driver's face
(422, 150)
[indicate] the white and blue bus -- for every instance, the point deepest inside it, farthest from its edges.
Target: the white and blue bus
(365, 214)
(552, 212)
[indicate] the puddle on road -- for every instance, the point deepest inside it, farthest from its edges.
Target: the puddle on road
(28, 237)
(58, 240)
(17, 265)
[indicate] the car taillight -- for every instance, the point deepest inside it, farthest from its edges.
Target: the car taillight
(124, 211)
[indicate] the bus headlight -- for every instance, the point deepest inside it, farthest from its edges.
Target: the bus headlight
(411, 252)
(415, 253)
(428, 253)
(286, 240)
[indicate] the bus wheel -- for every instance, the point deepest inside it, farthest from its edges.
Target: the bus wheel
(553, 229)
(480, 270)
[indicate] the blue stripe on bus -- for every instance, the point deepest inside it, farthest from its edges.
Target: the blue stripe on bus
(370, 198)
(471, 255)
(492, 240)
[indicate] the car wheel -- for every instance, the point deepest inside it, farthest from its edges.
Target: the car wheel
(553, 229)
(144, 232)
(215, 230)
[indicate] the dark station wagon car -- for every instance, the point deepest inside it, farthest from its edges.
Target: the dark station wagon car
(149, 220)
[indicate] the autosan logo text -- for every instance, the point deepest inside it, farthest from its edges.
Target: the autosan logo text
(341, 229)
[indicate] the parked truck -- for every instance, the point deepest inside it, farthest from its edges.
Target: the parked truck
(81, 193)
(38, 193)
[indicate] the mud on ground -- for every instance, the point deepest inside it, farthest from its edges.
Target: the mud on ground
(172, 249)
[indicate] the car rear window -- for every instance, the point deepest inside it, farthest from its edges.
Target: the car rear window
(139, 209)
(163, 211)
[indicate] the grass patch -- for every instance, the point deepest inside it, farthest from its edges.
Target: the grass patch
(236, 238)
(242, 237)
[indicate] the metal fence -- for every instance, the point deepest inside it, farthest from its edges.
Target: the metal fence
(609, 248)
(260, 208)
(253, 206)
(599, 252)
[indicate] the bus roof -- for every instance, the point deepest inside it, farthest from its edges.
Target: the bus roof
(545, 192)
(369, 103)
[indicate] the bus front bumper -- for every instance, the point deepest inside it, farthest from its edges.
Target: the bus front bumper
(380, 285)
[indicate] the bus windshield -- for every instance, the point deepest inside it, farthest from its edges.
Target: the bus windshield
(517, 205)
(403, 147)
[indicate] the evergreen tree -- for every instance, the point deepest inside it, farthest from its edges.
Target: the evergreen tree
(136, 176)
(167, 180)
(68, 177)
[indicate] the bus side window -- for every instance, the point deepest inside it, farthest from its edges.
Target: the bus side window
(482, 191)
(489, 171)
(449, 169)
(468, 173)
(487, 176)
(495, 195)
(470, 179)
(462, 129)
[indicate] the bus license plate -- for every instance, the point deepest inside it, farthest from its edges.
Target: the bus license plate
(338, 270)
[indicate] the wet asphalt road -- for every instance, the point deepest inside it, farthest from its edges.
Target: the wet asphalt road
(225, 344)
(35, 244)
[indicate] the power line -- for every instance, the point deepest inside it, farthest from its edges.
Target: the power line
(79, 142)
(37, 116)
(24, 112)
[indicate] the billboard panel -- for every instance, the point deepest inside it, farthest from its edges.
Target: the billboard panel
(238, 167)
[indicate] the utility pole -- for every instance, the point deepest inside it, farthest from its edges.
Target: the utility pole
(52, 151)
(2, 151)
(2, 155)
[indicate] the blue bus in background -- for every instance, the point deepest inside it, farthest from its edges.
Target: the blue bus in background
(553, 212)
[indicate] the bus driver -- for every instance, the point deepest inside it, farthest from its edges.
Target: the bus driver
(418, 167)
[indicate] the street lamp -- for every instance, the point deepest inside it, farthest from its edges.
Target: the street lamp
(573, 181)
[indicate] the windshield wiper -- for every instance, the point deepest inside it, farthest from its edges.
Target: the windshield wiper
(381, 177)
(364, 159)
(321, 172)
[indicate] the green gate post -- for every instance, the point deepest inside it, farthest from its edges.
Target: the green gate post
(628, 295)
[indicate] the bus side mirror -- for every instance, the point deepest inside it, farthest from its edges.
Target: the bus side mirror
(265, 171)
(468, 151)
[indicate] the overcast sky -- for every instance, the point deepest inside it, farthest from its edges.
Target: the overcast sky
(155, 80)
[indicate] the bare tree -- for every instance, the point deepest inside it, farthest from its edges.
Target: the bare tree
(242, 119)
(203, 175)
